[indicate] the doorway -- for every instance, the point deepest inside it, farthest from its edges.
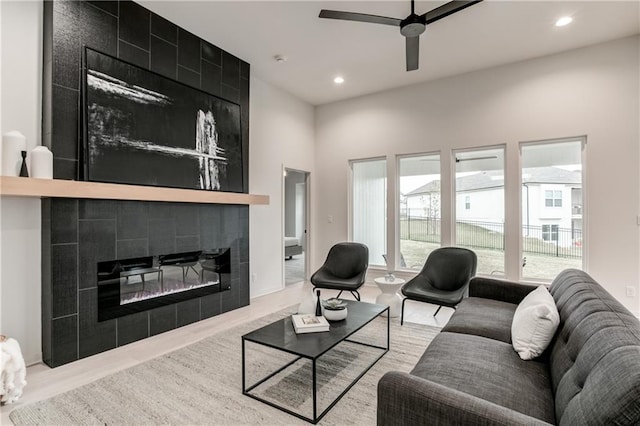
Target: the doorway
(295, 225)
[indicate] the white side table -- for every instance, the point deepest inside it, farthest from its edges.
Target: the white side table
(390, 295)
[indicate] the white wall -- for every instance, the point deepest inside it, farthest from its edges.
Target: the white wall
(281, 135)
(20, 89)
(591, 91)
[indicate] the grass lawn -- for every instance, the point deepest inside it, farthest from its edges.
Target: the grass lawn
(489, 236)
(491, 262)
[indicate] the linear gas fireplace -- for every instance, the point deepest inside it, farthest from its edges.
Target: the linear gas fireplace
(127, 286)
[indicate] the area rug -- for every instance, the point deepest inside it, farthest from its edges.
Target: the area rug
(202, 383)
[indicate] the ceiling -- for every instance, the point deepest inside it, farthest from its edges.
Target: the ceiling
(371, 58)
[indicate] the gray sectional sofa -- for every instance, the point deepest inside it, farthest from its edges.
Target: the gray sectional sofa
(470, 373)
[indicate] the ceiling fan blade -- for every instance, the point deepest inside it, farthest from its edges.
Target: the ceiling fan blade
(360, 17)
(446, 10)
(413, 52)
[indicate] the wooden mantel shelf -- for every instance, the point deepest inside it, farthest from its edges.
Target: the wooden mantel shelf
(57, 188)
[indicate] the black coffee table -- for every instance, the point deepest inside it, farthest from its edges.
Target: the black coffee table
(280, 335)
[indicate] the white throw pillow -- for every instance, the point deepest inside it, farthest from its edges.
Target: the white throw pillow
(534, 323)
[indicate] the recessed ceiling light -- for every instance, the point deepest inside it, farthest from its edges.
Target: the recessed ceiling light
(280, 58)
(565, 20)
(338, 80)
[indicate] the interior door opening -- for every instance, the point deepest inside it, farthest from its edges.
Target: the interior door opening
(295, 226)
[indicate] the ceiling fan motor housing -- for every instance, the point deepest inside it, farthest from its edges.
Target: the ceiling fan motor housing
(412, 26)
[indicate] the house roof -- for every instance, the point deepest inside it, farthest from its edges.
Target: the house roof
(495, 179)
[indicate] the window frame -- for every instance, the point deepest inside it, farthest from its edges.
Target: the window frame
(555, 199)
(453, 185)
(513, 204)
(551, 231)
(584, 206)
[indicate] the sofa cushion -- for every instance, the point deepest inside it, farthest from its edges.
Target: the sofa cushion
(595, 356)
(491, 370)
(534, 323)
(483, 317)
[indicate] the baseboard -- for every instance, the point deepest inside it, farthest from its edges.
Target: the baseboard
(33, 359)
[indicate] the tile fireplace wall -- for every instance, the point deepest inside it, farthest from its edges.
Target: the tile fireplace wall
(84, 232)
(79, 233)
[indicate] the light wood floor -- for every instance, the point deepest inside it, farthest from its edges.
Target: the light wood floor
(44, 382)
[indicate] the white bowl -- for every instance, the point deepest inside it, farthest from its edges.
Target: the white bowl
(337, 315)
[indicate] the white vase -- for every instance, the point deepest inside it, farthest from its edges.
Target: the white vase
(308, 304)
(13, 143)
(41, 163)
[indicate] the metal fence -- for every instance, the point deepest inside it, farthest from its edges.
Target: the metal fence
(552, 241)
(423, 229)
(544, 240)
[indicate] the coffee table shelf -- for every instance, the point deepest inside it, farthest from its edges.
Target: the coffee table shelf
(281, 336)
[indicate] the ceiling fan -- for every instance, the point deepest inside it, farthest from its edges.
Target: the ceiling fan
(410, 27)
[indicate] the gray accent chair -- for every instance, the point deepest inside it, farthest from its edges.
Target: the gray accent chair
(471, 375)
(344, 270)
(443, 280)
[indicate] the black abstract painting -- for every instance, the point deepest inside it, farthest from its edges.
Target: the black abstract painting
(146, 129)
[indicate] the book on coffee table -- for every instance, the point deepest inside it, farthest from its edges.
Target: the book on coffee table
(309, 323)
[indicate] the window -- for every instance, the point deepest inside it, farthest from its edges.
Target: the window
(550, 232)
(552, 198)
(549, 171)
(419, 205)
(481, 172)
(369, 207)
(480, 213)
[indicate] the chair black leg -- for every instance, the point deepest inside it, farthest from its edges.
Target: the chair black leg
(402, 312)
(356, 295)
(338, 296)
(438, 310)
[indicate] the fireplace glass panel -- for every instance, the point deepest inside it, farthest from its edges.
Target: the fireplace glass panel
(126, 286)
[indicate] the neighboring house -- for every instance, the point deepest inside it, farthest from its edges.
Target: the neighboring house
(423, 201)
(551, 202)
